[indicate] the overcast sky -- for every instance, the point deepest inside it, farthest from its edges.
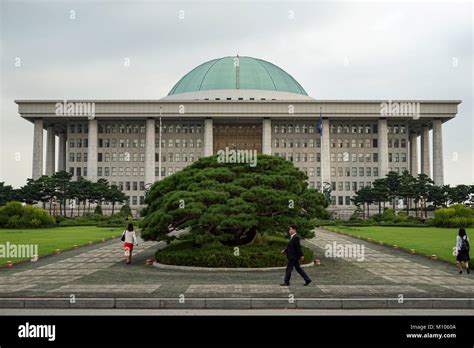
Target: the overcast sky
(342, 50)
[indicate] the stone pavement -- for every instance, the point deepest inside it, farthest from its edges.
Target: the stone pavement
(96, 276)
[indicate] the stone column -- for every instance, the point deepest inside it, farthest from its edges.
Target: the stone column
(50, 151)
(325, 154)
(414, 154)
(92, 151)
(425, 151)
(438, 172)
(267, 136)
(150, 151)
(383, 147)
(62, 151)
(208, 137)
(38, 149)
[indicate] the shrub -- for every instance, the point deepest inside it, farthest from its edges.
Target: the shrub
(15, 215)
(98, 210)
(388, 215)
(457, 215)
(264, 254)
(125, 210)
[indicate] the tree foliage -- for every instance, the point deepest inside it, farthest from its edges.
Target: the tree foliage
(231, 203)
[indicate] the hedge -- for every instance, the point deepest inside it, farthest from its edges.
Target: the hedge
(217, 255)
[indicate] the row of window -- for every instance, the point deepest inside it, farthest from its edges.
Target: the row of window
(354, 171)
(294, 128)
(79, 128)
(299, 157)
(353, 129)
(120, 171)
(77, 157)
(78, 143)
(360, 143)
(397, 157)
(290, 143)
(140, 143)
(141, 129)
(354, 157)
(129, 185)
(349, 185)
(365, 129)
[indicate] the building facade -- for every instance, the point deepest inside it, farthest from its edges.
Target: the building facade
(238, 103)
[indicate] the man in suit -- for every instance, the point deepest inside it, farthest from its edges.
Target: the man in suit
(295, 256)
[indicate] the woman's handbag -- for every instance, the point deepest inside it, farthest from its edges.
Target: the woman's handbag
(123, 237)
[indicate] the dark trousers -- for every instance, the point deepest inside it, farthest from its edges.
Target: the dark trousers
(289, 268)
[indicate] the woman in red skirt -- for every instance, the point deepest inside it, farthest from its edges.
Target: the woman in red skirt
(129, 238)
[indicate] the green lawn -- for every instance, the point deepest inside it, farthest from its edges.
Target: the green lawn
(425, 240)
(50, 239)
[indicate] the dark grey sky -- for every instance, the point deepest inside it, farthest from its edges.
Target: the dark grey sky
(340, 50)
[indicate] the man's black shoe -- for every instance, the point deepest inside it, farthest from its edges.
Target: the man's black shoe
(307, 283)
(285, 284)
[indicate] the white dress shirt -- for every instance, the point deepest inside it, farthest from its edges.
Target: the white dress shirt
(130, 237)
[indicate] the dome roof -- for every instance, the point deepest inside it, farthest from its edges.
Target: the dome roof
(237, 73)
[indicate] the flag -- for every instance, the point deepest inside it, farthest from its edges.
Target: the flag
(319, 125)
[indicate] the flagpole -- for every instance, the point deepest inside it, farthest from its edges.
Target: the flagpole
(159, 151)
(321, 137)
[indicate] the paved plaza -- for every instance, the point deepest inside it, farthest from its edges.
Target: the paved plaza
(99, 272)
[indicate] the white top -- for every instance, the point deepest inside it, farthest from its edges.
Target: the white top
(130, 237)
(459, 242)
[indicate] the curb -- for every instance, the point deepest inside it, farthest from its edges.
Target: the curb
(223, 269)
(236, 303)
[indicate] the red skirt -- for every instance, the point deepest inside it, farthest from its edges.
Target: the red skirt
(128, 246)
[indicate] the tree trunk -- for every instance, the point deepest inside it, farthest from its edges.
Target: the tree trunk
(113, 207)
(380, 207)
(368, 210)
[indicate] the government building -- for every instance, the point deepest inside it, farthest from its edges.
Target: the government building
(238, 103)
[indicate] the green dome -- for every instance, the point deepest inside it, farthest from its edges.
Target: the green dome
(251, 73)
